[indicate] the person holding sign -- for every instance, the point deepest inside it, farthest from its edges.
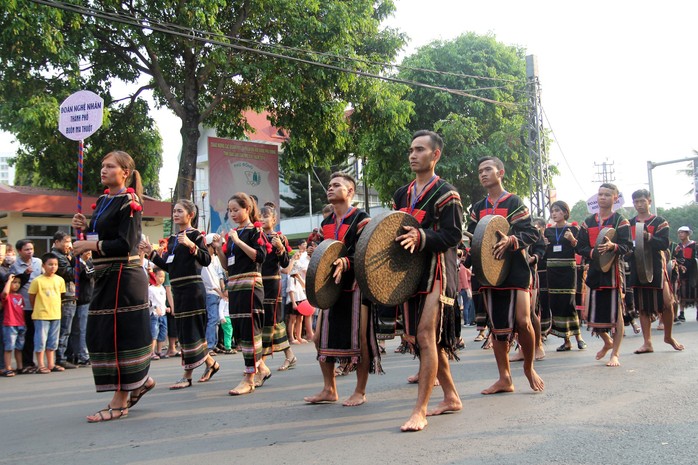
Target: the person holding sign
(118, 325)
(605, 300)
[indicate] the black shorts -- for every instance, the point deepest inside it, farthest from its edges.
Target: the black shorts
(290, 310)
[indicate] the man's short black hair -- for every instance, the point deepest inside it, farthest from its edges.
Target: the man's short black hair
(612, 187)
(21, 243)
(59, 236)
(497, 162)
(346, 176)
(436, 141)
(640, 193)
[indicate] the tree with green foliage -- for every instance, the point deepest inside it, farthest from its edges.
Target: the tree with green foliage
(38, 71)
(298, 184)
(491, 124)
(579, 212)
(208, 61)
(380, 135)
(686, 215)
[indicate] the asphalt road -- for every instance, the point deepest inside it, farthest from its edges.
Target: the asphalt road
(643, 412)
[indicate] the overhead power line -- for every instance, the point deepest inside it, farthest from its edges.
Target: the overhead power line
(191, 34)
(557, 142)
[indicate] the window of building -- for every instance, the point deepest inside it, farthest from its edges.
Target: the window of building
(42, 236)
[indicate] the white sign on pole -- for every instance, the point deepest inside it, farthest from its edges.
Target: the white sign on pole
(81, 115)
(593, 203)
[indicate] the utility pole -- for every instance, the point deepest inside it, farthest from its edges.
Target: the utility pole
(604, 172)
(539, 176)
(310, 201)
(652, 165)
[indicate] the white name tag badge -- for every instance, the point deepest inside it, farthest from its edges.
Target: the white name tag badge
(170, 258)
(231, 260)
(557, 248)
(93, 236)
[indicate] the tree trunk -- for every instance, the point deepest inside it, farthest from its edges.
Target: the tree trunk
(187, 161)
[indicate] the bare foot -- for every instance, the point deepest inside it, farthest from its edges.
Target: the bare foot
(602, 353)
(534, 380)
(416, 422)
(502, 385)
(355, 400)
(303, 341)
(645, 349)
(322, 397)
(518, 357)
(446, 406)
(614, 362)
(414, 379)
(674, 343)
(540, 353)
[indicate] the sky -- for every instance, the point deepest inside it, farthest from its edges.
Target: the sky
(618, 83)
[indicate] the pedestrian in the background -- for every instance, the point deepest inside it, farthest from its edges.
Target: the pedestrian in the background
(213, 278)
(62, 249)
(85, 291)
(30, 267)
(45, 295)
(685, 255)
(13, 326)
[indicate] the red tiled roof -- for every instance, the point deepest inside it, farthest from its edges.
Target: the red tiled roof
(41, 200)
(263, 130)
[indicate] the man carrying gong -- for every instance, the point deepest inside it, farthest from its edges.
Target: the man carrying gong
(344, 331)
(654, 297)
(509, 303)
(605, 288)
(429, 314)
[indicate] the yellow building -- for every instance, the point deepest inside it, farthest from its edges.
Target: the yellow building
(37, 213)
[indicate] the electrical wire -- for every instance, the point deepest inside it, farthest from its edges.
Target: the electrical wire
(557, 142)
(154, 26)
(187, 30)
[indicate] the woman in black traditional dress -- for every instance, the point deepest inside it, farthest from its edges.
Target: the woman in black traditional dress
(118, 324)
(244, 252)
(185, 256)
(274, 336)
(560, 239)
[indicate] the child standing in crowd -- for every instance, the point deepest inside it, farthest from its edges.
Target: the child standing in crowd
(13, 327)
(45, 294)
(158, 320)
(225, 341)
(295, 294)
